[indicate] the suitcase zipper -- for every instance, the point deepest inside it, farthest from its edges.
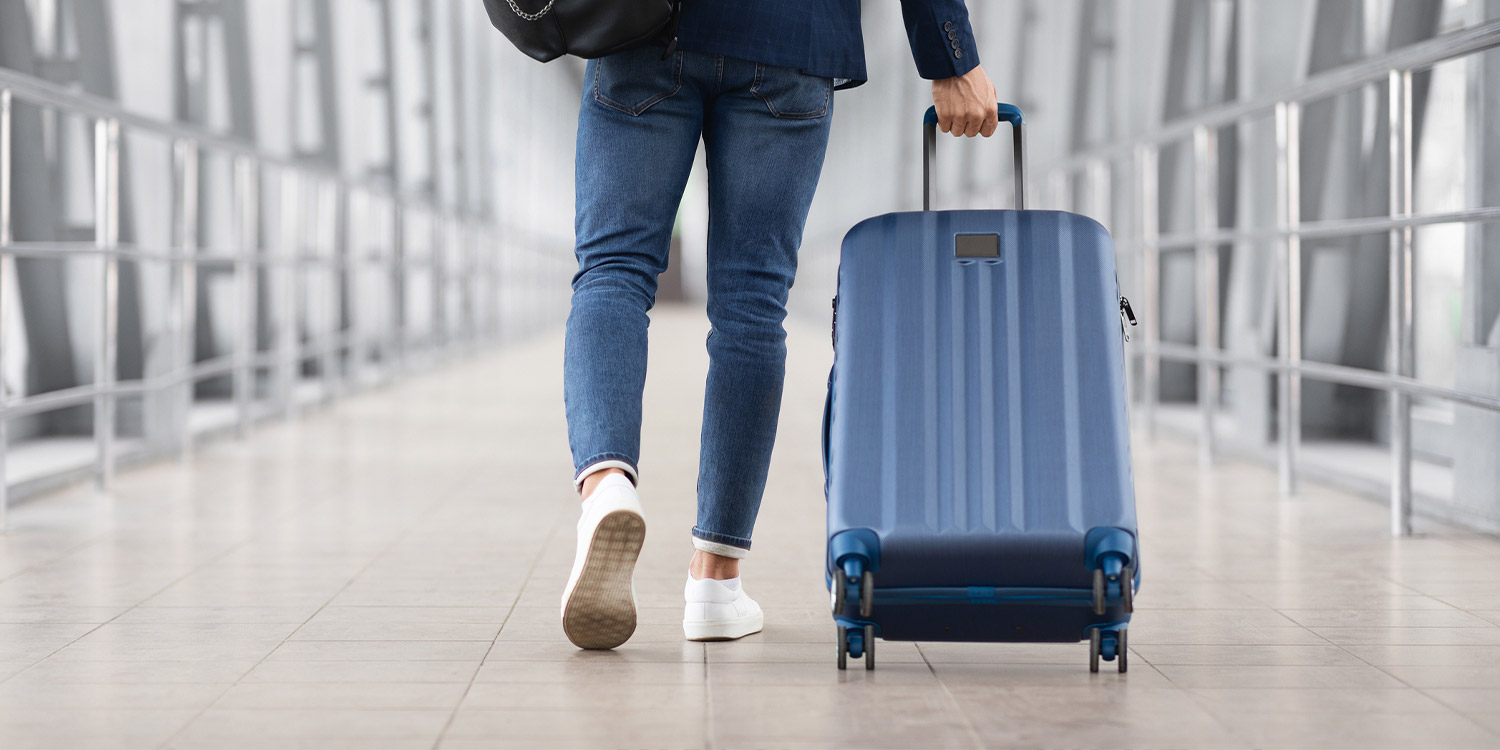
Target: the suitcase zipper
(834, 329)
(1126, 314)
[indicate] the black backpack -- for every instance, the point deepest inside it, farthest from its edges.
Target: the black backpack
(549, 29)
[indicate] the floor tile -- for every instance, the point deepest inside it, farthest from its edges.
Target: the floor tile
(362, 671)
(78, 728)
(1422, 636)
(248, 615)
(1463, 676)
(136, 672)
(1468, 701)
(1248, 655)
(1082, 717)
(390, 650)
(912, 674)
(556, 650)
(1228, 702)
(1385, 618)
(343, 695)
(1398, 731)
(425, 615)
(1406, 655)
(830, 715)
(1050, 675)
(1349, 678)
(522, 728)
(34, 694)
(235, 728)
(587, 670)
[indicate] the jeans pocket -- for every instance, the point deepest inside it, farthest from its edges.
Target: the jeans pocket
(635, 80)
(791, 94)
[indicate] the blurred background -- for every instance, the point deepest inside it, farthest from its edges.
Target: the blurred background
(221, 211)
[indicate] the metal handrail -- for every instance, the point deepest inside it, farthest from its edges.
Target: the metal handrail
(1342, 374)
(48, 94)
(1326, 228)
(1423, 54)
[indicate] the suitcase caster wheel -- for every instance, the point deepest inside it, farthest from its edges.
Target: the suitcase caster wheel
(840, 592)
(869, 647)
(1121, 652)
(866, 593)
(843, 647)
(1127, 591)
(1098, 593)
(1095, 644)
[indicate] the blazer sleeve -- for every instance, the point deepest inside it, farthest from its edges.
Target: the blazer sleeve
(942, 42)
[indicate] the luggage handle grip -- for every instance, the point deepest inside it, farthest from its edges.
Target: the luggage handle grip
(1008, 113)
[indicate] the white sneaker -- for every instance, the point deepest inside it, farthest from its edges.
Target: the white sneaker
(719, 611)
(598, 606)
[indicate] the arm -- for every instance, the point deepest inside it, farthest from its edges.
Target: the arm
(942, 44)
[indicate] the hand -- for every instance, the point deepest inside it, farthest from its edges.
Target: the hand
(966, 104)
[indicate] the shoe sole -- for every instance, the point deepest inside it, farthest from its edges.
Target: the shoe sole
(600, 613)
(723, 630)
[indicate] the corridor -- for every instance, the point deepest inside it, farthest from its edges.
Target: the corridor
(385, 573)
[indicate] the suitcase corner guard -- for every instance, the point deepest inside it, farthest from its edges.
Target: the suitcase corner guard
(853, 558)
(1110, 553)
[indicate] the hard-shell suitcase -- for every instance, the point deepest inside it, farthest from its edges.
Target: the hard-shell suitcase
(976, 445)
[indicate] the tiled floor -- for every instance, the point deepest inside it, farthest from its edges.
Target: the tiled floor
(385, 575)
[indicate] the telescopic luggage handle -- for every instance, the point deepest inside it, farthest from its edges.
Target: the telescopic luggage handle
(1009, 113)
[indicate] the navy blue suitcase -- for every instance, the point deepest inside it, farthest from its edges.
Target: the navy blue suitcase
(975, 438)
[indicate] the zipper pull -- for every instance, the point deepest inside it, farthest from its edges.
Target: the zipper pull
(1126, 314)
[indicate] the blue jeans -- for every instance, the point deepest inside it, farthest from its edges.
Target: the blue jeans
(765, 130)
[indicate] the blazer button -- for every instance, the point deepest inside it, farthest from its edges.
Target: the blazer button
(947, 26)
(958, 53)
(956, 45)
(953, 35)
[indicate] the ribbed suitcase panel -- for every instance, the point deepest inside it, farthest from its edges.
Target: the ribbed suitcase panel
(977, 402)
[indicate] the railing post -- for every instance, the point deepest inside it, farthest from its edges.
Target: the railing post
(246, 225)
(355, 225)
(437, 258)
(331, 210)
(7, 278)
(181, 291)
(1289, 292)
(397, 270)
(106, 346)
(1206, 198)
(1150, 260)
(186, 301)
(1399, 327)
(289, 260)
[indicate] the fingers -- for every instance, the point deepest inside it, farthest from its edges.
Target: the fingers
(973, 124)
(991, 123)
(952, 124)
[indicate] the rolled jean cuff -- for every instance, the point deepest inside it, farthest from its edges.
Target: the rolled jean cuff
(606, 461)
(722, 545)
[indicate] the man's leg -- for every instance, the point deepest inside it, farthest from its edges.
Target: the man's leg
(633, 159)
(766, 135)
(638, 129)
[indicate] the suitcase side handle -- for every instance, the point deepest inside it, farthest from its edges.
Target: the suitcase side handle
(1008, 113)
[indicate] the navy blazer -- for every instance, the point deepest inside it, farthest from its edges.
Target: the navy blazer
(822, 37)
